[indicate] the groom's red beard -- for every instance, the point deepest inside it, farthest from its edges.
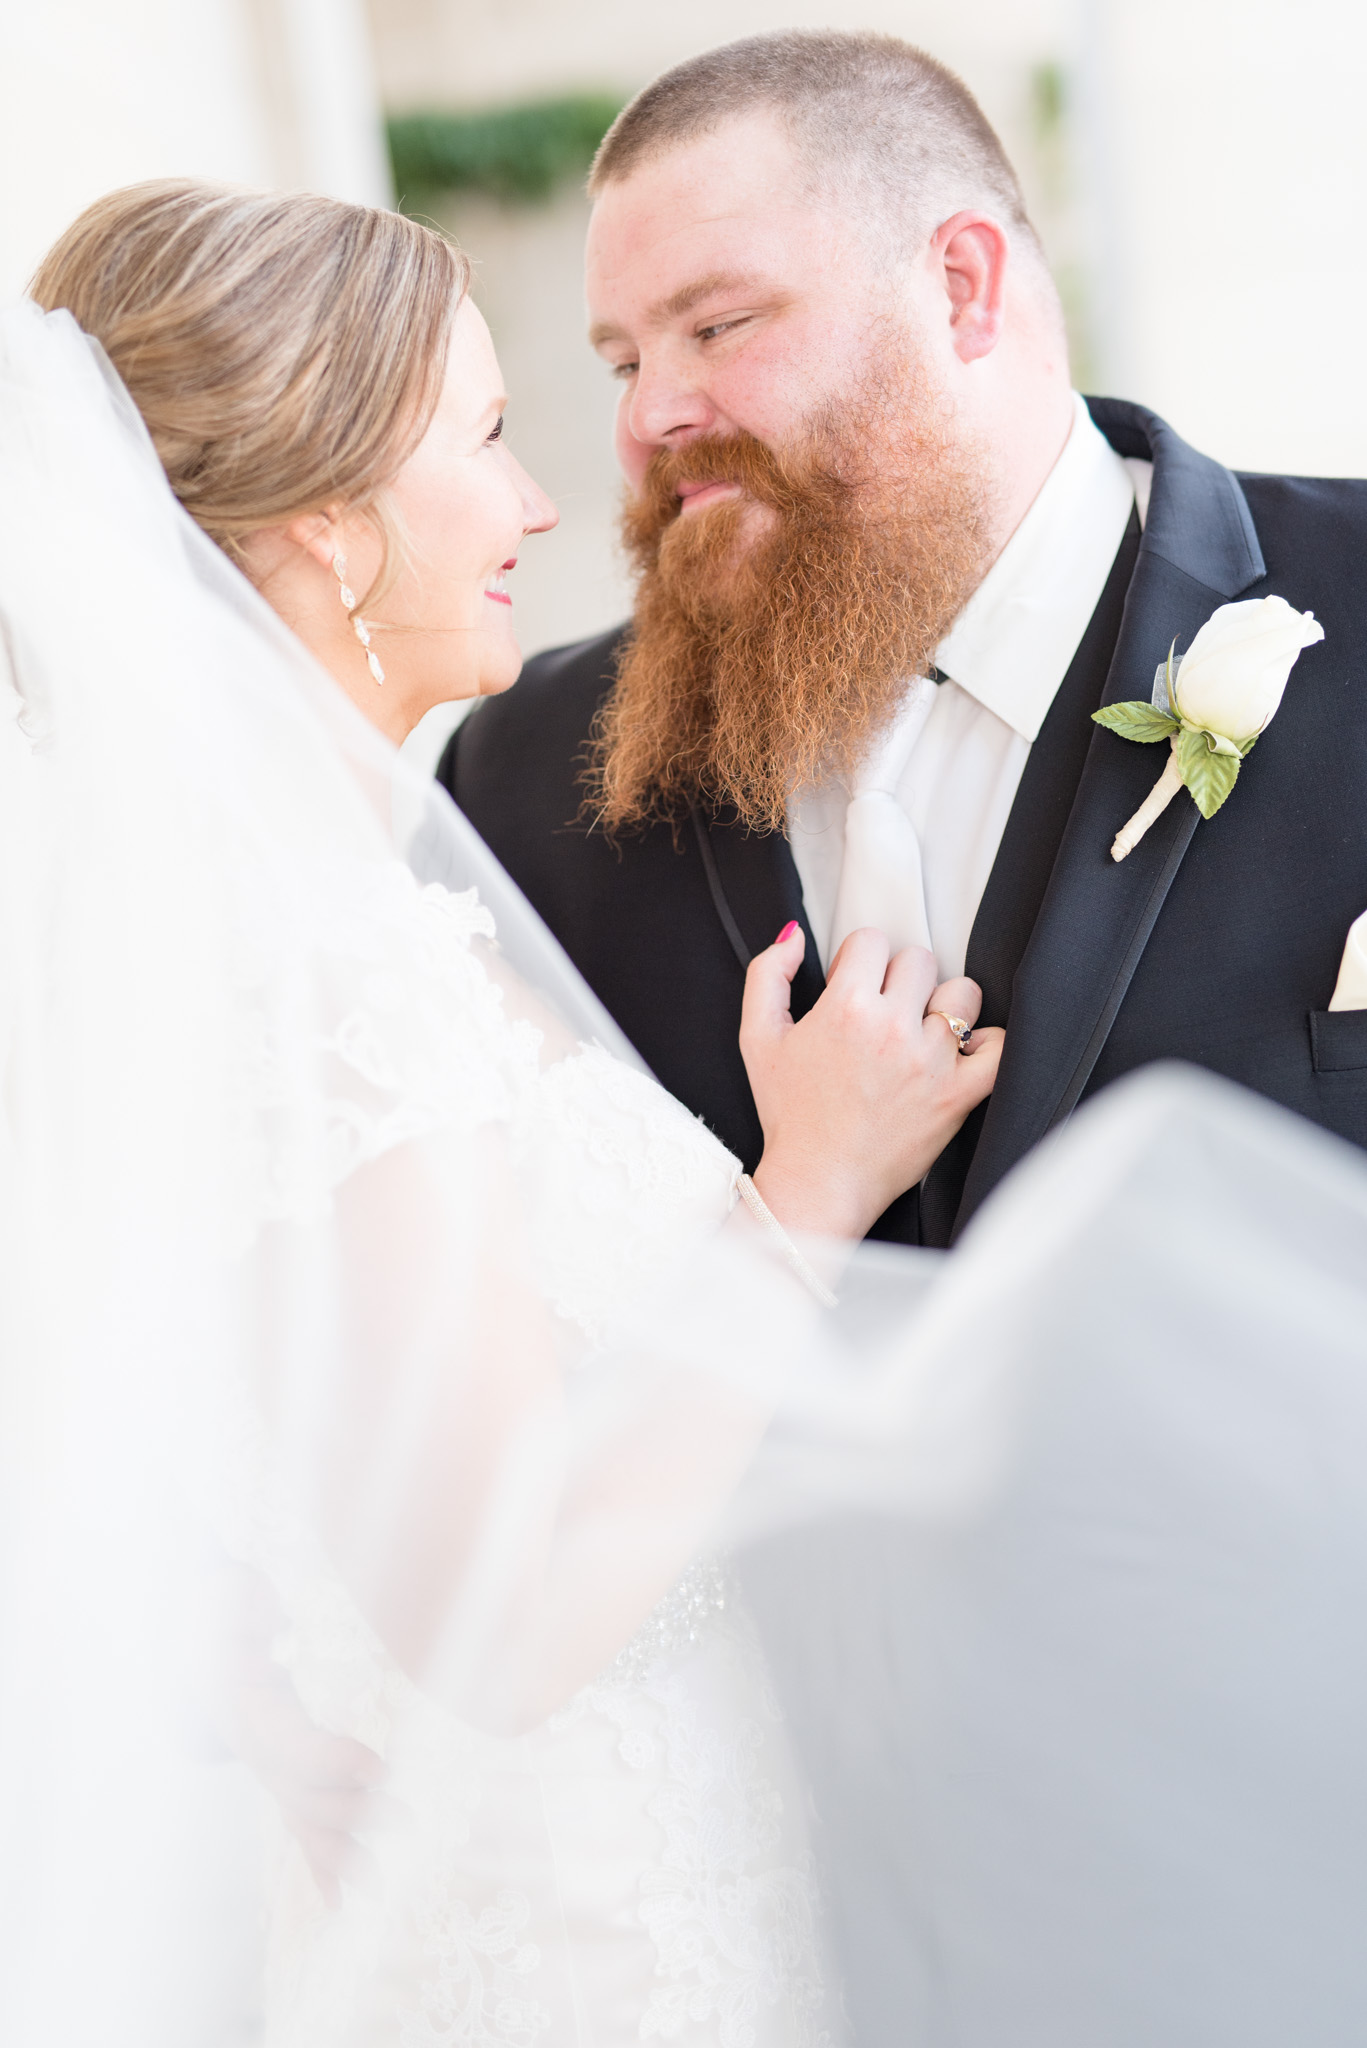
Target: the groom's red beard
(762, 661)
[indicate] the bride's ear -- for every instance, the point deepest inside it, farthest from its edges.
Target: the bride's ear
(318, 533)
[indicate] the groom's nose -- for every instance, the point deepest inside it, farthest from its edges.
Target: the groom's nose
(667, 403)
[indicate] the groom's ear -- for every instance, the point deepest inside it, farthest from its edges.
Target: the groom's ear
(972, 251)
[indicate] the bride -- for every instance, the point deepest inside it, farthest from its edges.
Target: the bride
(370, 1206)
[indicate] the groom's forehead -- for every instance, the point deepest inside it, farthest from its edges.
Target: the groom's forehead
(746, 169)
(656, 256)
(748, 159)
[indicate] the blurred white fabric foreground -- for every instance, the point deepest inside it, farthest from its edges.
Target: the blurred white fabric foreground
(1058, 1544)
(1088, 1750)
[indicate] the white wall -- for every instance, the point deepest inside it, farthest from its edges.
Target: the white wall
(1223, 158)
(465, 52)
(98, 93)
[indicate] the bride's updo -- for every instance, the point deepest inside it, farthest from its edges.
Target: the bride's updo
(286, 351)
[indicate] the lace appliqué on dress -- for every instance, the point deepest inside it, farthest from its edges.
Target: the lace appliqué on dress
(731, 1900)
(408, 1035)
(458, 2007)
(622, 1178)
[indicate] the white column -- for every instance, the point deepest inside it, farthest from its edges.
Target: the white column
(324, 106)
(99, 93)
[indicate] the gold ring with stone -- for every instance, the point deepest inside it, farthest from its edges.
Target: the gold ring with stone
(962, 1031)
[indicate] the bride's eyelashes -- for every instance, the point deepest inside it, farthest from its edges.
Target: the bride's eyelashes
(496, 431)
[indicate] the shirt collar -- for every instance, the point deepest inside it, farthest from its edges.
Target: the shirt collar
(1011, 645)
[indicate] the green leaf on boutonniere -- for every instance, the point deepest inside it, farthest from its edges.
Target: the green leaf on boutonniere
(1209, 775)
(1137, 721)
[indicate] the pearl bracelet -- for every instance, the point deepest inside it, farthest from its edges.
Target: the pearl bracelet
(782, 1243)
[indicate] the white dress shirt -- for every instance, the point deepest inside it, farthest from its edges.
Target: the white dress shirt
(910, 846)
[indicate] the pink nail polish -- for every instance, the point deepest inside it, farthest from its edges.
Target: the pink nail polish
(787, 931)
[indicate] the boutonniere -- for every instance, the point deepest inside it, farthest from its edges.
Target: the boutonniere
(1212, 704)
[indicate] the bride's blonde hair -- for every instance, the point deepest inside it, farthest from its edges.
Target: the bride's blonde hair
(285, 350)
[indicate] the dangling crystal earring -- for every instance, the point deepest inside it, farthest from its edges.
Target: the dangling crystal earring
(358, 625)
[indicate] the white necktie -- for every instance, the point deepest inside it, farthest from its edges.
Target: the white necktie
(880, 874)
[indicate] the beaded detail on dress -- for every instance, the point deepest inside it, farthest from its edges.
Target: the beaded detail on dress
(680, 1622)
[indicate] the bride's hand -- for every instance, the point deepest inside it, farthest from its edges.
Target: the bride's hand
(859, 1098)
(326, 1786)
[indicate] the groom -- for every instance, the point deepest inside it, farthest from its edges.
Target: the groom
(854, 459)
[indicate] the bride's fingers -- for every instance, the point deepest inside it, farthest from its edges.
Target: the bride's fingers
(277, 1738)
(766, 1006)
(957, 998)
(910, 978)
(339, 1809)
(333, 1858)
(977, 1070)
(860, 962)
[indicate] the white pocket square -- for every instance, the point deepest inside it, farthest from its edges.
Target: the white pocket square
(1350, 990)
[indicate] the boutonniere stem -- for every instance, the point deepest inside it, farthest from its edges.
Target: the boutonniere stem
(1212, 705)
(1153, 806)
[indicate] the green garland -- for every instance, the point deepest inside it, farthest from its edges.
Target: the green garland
(512, 153)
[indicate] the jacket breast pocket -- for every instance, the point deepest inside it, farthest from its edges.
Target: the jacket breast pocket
(1338, 1041)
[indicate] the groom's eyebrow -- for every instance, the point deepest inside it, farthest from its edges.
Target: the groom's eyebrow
(710, 287)
(682, 301)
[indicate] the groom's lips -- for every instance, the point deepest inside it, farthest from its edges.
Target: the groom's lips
(694, 496)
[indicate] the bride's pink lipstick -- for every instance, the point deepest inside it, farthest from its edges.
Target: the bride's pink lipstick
(499, 595)
(694, 496)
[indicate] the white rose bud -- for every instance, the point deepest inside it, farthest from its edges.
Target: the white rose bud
(1230, 680)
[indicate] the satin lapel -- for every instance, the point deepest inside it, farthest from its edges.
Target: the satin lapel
(755, 877)
(1097, 913)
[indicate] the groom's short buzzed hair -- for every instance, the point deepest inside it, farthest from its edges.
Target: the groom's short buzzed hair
(866, 112)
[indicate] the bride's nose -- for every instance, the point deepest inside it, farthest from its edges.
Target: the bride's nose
(539, 513)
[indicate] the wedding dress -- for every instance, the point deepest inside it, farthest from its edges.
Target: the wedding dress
(636, 1869)
(313, 1166)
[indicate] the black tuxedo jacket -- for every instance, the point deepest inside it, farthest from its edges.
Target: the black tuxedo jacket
(1216, 942)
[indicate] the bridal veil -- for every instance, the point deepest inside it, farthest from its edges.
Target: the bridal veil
(1057, 1546)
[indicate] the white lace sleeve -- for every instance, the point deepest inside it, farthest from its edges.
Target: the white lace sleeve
(622, 1181)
